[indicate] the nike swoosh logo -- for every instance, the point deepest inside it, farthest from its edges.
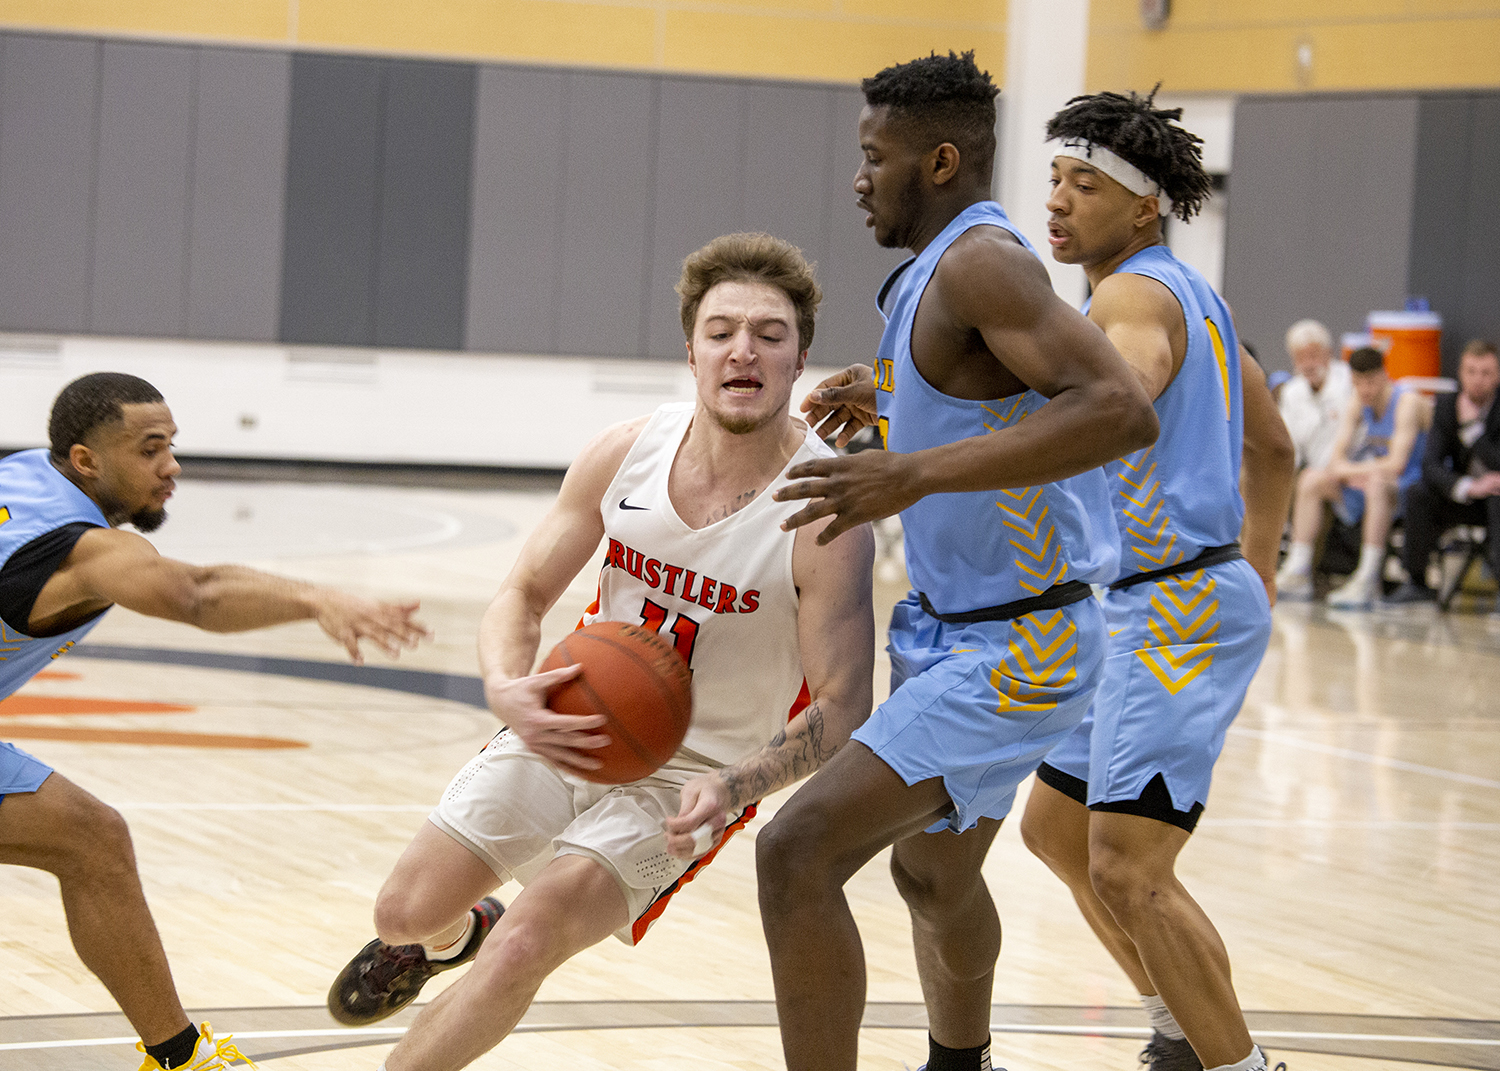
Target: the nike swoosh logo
(625, 504)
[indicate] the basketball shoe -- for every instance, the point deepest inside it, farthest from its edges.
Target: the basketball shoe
(209, 1054)
(1169, 1054)
(383, 978)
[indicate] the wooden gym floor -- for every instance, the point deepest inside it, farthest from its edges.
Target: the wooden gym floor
(1350, 854)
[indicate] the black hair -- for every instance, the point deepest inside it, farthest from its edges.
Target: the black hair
(91, 402)
(1367, 359)
(1145, 136)
(944, 98)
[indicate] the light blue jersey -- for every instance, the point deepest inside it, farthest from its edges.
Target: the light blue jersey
(1182, 647)
(36, 499)
(1182, 494)
(1372, 439)
(979, 698)
(979, 549)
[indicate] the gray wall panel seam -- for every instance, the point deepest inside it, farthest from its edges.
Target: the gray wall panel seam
(90, 244)
(382, 108)
(648, 247)
(194, 82)
(830, 122)
(286, 162)
(555, 336)
(467, 235)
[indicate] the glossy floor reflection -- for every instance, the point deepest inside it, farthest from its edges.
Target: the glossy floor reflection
(1349, 855)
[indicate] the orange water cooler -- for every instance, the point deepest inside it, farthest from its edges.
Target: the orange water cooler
(1412, 342)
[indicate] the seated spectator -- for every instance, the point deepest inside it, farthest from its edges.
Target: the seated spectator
(1312, 401)
(1377, 454)
(1460, 481)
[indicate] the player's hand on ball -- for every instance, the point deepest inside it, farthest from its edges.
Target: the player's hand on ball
(349, 619)
(700, 821)
(843, 403)
(562, 739)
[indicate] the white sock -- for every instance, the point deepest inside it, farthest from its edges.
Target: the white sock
(1161, 1019)
(1298, 560)
(449, 951)
(1256, 1061)
(1371, 557)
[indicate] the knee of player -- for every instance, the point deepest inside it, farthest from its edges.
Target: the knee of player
(400, 918)
(520, 955)
(925, 893)
(938, 893)
(787, 853)
(1120, 880)
(1037, 835)
(93, 841)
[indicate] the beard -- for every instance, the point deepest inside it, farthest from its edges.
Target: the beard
(908, 209)
(148, 520)
(739, 425)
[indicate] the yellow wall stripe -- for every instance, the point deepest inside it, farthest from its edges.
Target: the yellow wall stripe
(1209, 46)
(815, 40)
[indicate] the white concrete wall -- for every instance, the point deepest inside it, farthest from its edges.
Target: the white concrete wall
(1201, 242)
(270, 401)
(1046, 53)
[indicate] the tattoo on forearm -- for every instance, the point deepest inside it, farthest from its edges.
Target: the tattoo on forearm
(784, 760)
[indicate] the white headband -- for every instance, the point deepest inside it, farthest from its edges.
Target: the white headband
(1116, 167)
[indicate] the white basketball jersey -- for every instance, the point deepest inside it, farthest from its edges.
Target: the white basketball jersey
(722, 594)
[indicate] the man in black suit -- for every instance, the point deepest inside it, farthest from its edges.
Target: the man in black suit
(1460, 470)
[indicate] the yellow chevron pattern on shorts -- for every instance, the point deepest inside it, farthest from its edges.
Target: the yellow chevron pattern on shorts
(1038, 661)
(1038, 550)
(1184, 620)
(1145, 524)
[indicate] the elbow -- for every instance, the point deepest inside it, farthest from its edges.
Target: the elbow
(192, 601)
(1131, 413)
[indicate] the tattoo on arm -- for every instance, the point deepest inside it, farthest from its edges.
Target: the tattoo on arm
(783, 761)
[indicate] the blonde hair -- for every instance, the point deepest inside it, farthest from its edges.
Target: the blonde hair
(756, 258)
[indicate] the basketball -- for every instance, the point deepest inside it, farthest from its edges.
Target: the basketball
(639, 682)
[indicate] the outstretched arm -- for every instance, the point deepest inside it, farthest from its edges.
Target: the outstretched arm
(1096, 411)
(109, 566)
(511, 629)
(836, 632)
(1267, 474)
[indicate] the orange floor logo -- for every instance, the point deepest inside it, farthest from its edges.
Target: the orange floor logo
(21, 706)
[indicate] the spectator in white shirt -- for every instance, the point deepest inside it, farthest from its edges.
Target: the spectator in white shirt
(1312, 402)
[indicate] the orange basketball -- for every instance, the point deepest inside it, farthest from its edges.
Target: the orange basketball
(635, 679)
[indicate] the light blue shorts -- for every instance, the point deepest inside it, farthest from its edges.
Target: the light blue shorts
(1350, 507)
(20, 772)
(1182, 652)
(980, 705)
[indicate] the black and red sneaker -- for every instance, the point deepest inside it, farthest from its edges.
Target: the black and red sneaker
(383, 978)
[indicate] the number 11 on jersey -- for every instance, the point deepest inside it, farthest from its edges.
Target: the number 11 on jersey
(684, 629)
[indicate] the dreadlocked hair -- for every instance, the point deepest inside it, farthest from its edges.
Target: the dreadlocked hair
(1145, 136)
(941, 98)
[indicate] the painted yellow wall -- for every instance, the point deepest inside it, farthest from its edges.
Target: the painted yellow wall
(822, 40)
(1251, 46)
